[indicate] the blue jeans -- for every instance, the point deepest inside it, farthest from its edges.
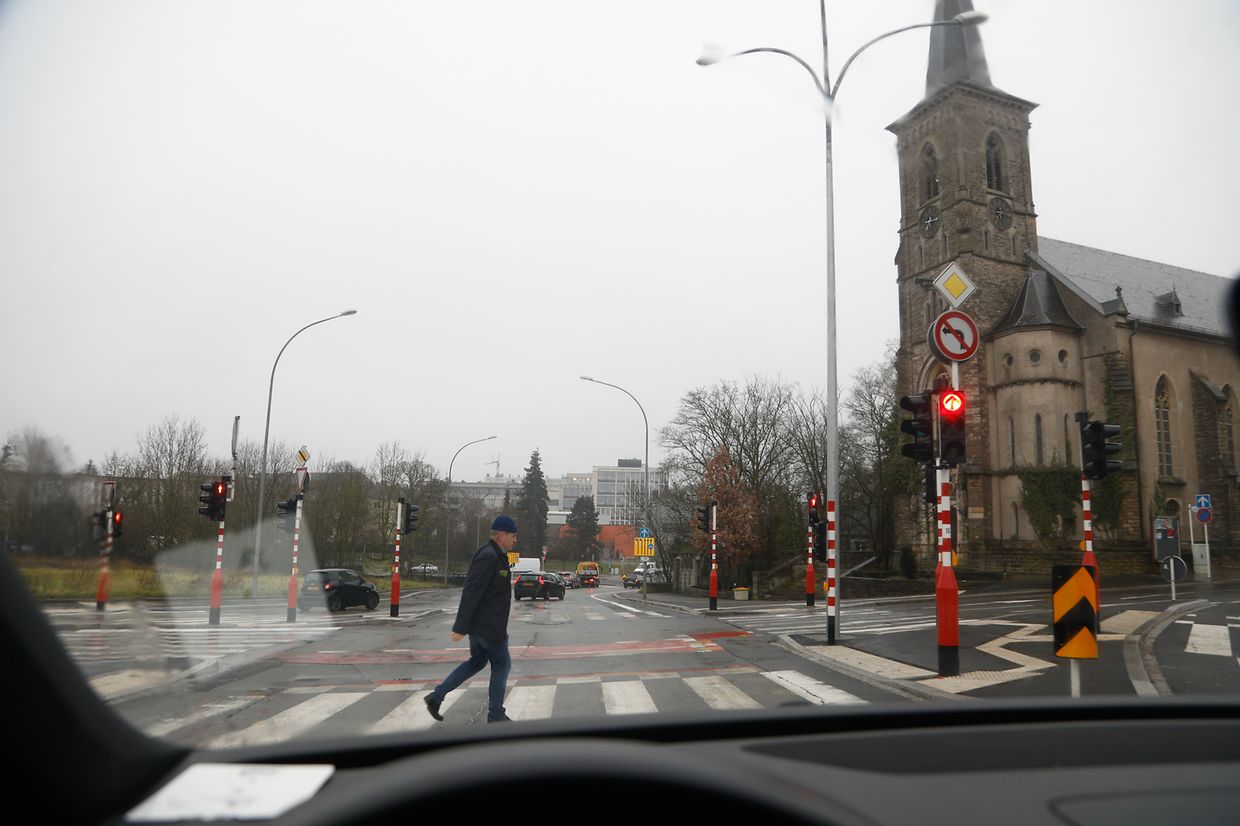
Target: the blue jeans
(482, 651)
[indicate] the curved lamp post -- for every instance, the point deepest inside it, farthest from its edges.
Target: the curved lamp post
(262, 470)
(829, 92)
(645, 463)
(447, 530)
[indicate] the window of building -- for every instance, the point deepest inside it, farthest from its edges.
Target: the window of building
(994, 163)
(1037, 439)
(1162, 425)
(1035, 356)
(929, 174)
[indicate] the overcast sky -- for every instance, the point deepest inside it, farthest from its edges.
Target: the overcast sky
(513, 194)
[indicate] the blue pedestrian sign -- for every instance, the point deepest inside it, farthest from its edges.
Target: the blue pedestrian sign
(1203, 500)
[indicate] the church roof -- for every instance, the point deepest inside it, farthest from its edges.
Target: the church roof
(1038, 305)
(1148, 291)
(956, 54)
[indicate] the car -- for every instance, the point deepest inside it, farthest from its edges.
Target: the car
(538, 585)
(653, 576)
(424, 569)
(336, 588)
(570, 578)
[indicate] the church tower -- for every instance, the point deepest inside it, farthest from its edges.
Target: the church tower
(965, 198)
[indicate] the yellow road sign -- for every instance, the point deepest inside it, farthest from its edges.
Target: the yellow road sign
(513, 556)
(643, 546)
(1074, 611)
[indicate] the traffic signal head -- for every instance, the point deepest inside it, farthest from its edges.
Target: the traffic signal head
(921, 449)
(214, 499)
(820, 541)
(703, 518)
(285, 511)
(117, 522)
(951, 427)
(815, 508)
(1096, 447)
(411, 517)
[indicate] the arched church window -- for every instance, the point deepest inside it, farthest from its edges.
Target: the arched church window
(929, 174)
(994, 163)
(1162, 425)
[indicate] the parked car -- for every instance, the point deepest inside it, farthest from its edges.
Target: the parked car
(570, 578)
(538, 585)
(425, 569)
(338, 589)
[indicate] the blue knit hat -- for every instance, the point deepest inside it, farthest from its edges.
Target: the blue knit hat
(504, 523)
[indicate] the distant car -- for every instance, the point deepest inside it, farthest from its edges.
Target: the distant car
(538, 585)
(425, 569)
(570, 579)
(652, 575)
(338, 589)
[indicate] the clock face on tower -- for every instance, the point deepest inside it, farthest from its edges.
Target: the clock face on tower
(929, 221)
(1000, 212)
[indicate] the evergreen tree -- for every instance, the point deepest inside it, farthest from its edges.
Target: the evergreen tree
(532, 506)
(581, 542)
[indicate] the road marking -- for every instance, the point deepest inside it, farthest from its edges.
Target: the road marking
(1209, 639)
(720, 694)
(205, 713)
(288, 724)
(816, 692)
(628, 697)
(411, 714)
(530, 702)
(881, 666)
(1126, 622)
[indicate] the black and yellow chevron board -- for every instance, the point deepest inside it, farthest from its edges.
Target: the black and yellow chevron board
(1074, 601)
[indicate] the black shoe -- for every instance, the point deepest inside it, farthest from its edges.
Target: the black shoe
(432, 705)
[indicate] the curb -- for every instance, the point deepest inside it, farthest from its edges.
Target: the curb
(1143, 670)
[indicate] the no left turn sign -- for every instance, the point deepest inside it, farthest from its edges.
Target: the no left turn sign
(953, 336)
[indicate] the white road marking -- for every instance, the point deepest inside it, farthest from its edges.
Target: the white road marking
(205, 713)
(816, 692)
(720, 694)
(627, 697)
(531, 702)
(1209, 639)
(1126, 622)
(411, 714)
(288, 724)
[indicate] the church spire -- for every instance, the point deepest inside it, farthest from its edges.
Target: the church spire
(956, 54)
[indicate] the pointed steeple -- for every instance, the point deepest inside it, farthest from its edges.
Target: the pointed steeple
(956, 54)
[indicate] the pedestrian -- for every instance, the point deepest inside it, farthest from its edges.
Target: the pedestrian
(483, 616)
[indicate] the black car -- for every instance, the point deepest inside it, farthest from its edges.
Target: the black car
(337, 588)
(538, 585)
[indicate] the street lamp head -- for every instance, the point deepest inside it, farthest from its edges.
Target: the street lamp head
(585, 378)
(970, 18)
(349, 312)
(712, 53)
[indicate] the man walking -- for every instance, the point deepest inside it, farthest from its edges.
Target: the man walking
(483, 615)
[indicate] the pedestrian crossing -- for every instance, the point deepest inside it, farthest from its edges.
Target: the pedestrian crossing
(392, 707)
(179, 643)
(1212, 639)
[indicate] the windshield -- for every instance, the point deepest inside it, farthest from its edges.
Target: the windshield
(325, 321)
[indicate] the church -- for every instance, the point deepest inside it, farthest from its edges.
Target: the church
(1062, 328)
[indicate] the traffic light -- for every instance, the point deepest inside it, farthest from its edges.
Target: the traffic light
(705, 517)
(411, 517)
(99, 524)
(931, 492)
(820, 541)
(1095, 448)
(214, 498)
(951, 427)
(921, 449)
(815, 508)
(117, 519)
(285, 512)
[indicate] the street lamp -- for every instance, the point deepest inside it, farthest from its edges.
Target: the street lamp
(447, 529)
(712, 56)
(262, 469)
(645, 463)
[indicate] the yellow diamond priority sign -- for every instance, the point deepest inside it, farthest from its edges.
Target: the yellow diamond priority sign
(954, 285)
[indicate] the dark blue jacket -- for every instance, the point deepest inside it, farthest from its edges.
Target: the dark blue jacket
(487, 596)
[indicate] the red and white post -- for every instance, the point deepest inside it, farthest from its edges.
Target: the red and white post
(714, 563)
(1087, 513)
(830, 585)
(395, 598)
(217, 578)
(296, 570)
(809, 568)
(946, 592)
(104, 588)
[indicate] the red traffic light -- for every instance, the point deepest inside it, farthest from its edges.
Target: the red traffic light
(116, 517)
(951, 403)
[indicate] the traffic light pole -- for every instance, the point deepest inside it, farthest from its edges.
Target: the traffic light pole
(104, 588)
(395, 598)
(295, 572)
(946, 591)
(831, 586)
(809, 567)
(714, 560)
(217, 578)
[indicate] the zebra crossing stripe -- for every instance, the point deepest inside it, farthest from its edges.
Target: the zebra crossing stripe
(1209, 639)
(289, 723)
(530, 702)
(627, 697)
(720, 694)
(411, 714)
(205, 713)
(811, 689)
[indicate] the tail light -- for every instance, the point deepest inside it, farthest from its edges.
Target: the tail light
(540, 580)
